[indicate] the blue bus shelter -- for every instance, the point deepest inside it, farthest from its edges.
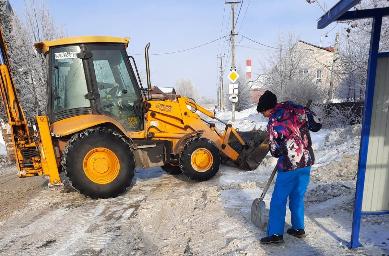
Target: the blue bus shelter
(377, 68)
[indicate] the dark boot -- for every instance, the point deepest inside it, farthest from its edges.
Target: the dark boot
(273, 239)
(299, 233)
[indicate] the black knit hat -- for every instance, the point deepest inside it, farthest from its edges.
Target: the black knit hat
(268, 100)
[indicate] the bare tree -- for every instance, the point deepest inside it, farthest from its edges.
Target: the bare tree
(286, 74)
(29, 69)
(185, 88)
(41, 27)
(19, 51)
(300, 90)
(354, 51)
(40, 22)
(284, 64)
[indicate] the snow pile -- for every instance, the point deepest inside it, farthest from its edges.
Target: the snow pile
(2, 146)
(227, 115)
(3, 157)
(246, 120)
(332, 145)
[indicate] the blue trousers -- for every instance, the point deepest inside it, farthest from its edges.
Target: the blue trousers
(292, 184)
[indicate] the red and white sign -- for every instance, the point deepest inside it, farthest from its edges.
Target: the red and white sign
(248, 69)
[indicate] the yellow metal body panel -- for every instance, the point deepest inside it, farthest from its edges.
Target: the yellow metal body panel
(44, 47)
(48, 159)
(75, 124)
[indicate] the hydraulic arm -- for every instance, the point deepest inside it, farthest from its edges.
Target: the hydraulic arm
(179, 119)
(33, 156)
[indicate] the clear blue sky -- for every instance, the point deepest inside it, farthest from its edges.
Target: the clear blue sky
(172, 25)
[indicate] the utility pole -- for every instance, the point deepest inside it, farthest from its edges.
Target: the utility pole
(221, 94)
(232, 41)
(334, 59)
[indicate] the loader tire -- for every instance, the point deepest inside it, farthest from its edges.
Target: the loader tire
(99, 163)
(172, 169)
(200, 159)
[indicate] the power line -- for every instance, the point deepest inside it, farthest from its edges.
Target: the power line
(244, 15)
(187, 49)
(237, 17)
(249, 47)
(223, 46)
(321, 7)
(222, 27)
(332, 28)
(318, 4)
(265, 45)
(191, 48)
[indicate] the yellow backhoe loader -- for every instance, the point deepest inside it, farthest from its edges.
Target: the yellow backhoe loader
(101, 123)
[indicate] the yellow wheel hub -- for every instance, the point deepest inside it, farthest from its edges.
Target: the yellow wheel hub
(201, 159)
(101, 165)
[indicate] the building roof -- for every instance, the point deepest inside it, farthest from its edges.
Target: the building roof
(167, 89)
(44, 46)
(328, 49)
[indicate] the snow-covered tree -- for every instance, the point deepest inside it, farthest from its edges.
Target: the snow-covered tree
(354, 51)
(284, 76)
(28, 68)
(185, 88)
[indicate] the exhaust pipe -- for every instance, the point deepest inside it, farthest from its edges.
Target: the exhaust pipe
(147, 59)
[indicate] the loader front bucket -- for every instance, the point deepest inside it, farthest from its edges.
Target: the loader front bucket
(252, 154)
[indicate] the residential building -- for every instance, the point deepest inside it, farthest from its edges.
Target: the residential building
(321, 65)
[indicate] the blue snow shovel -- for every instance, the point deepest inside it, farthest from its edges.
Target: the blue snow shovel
(258, 207)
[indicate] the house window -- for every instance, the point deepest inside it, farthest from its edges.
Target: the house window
(303, 72)
(318, 76)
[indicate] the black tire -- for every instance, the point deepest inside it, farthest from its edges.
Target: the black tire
(186, 159)
(80, 145)
(171, 169)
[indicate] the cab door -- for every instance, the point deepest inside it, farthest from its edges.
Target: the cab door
(119, 93)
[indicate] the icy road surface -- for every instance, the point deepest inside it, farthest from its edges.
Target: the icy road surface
(168, 215)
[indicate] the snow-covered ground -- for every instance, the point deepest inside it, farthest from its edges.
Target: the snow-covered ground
(168, 215)
(3, 152)
(330, 194)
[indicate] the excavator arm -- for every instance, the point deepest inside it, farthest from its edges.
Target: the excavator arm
(33, 156)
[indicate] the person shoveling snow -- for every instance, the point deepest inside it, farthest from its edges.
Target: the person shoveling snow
(288, 128)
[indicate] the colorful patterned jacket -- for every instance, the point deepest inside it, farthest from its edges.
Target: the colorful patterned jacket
(289, 136)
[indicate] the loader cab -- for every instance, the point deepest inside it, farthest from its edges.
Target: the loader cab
(92, 75)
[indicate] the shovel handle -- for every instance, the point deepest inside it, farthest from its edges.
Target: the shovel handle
(268, 183)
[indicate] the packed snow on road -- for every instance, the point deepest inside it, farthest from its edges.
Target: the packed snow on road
(162, 214)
